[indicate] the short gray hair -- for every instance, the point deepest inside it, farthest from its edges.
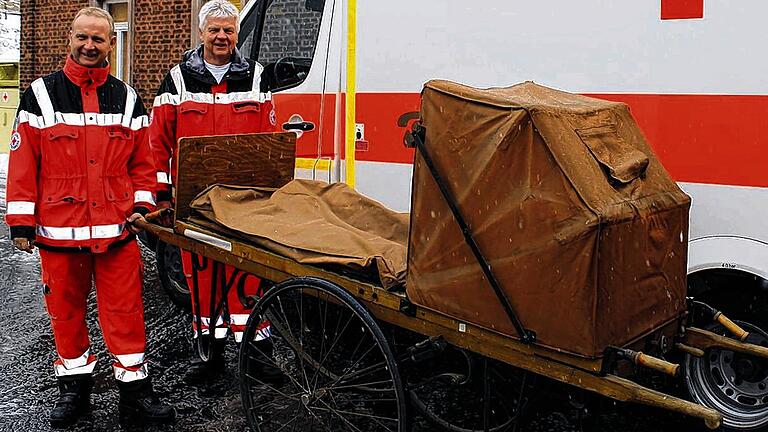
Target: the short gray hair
(218, 9)
(98, 13)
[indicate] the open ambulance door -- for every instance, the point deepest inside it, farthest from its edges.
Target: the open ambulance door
(292, 40)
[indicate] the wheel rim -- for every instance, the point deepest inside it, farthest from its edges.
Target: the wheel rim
(173, 269)
(734, 384)
(449, 392)
(337, 371)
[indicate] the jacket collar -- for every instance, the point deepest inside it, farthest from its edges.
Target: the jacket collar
(84, 76)
(193, 63)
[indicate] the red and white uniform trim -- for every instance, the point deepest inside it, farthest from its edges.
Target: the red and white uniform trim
(76, 366)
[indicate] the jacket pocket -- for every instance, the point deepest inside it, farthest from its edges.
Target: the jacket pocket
(119, 132)
(62, 202)
(62, 133)
(193, 108)
(247, 106)
(247, 116)
(61, 152)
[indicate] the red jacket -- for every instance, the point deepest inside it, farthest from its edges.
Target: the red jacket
(191, 103)
(80, 161)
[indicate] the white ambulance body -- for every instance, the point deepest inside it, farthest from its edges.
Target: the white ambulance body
(695, 78)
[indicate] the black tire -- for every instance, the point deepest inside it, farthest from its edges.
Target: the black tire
(331, 368)
(171, 275)
(734, 384)
(148, 239)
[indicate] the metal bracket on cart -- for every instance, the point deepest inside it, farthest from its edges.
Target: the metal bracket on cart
(407, 308)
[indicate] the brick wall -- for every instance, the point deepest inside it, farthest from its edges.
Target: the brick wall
(160, 31)
(45, 28)
(160, 35)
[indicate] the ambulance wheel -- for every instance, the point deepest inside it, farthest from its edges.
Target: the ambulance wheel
(171, 274)
(325, 366)
(732, 383)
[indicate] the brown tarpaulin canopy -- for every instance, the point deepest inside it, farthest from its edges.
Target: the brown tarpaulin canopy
(582, 226)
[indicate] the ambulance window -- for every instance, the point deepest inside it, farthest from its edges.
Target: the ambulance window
(282, 35)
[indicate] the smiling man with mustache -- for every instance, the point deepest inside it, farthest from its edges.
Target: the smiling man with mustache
(80, 172)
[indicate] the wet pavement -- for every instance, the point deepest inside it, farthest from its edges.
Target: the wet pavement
(27, 385)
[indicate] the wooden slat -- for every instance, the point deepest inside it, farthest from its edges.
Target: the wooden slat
(265, 159)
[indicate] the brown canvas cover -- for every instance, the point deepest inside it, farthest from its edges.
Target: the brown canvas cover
(581, 224)
(314, 223)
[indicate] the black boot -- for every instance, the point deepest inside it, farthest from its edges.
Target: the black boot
(206, 371)
(264, 367)
(74, 400)
(138, 403)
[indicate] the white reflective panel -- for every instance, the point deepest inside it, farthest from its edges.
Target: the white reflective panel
(20, 208)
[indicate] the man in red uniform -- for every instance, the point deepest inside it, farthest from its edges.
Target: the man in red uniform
(213, 91)
(80, 172)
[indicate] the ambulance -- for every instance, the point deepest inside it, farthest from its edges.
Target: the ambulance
(692, 72)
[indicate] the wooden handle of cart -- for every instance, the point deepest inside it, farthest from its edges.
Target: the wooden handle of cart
(147, 223)
(731, 326)
(656, 364)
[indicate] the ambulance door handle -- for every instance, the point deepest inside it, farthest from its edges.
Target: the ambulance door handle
(303, 126)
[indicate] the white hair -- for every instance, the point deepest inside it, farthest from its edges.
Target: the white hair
(218, 9)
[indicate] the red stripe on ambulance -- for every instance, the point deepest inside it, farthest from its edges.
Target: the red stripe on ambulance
(714, 139)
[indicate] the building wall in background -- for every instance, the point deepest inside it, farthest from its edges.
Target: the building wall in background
(161, 30)
(161, 33)
(44, 36)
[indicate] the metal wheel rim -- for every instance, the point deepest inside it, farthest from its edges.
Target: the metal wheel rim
(318, 400)
(714, 381)
(504, 415)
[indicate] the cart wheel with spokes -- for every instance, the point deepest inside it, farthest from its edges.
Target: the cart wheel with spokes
(332, 369)
(463, 392)
(734, 384)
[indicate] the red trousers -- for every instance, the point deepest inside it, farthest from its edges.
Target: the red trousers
(232, 315)
(117, 276)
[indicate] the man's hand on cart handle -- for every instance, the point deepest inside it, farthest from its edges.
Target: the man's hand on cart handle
(132, 222)
(24, 244)
(164, 214)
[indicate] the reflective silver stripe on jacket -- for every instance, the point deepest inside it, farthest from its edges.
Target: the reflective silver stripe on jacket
(20, 208)
(143, 196)
(162, 177)
(254, 95)
(51, 117)
(81, 233)
(72, 119)
(44, 101)
(130, 101)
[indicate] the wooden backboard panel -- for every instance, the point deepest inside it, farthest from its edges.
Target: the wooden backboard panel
(263, 159)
